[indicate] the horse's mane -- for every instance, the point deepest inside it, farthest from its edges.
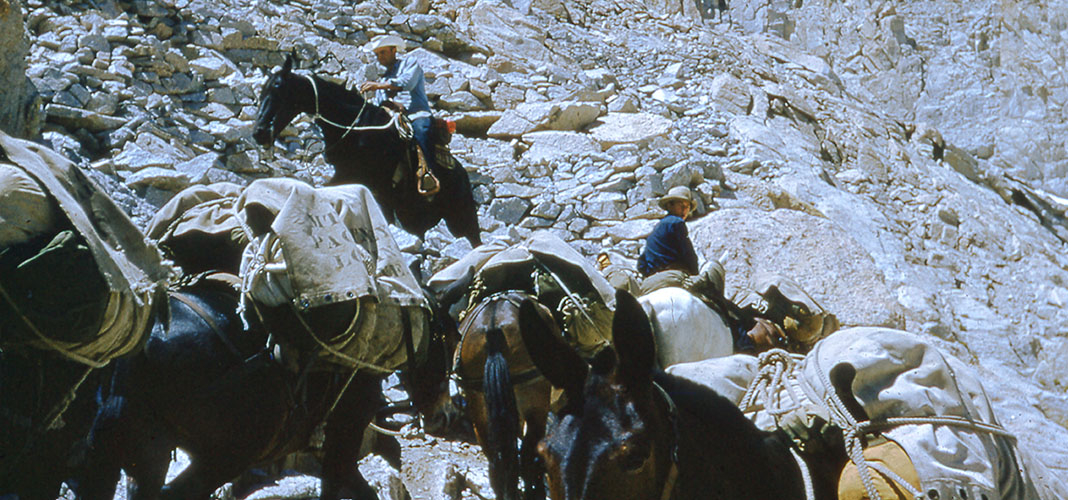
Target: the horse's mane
(337, 90)
(706, 404)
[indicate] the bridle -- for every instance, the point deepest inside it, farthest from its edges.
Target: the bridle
(673, 419)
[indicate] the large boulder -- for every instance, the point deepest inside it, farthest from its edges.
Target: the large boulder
(813, 251)
(19, 108)
(629, 128)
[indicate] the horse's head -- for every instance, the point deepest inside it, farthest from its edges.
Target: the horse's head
(278, 104)
(615, 436)
(427, 380)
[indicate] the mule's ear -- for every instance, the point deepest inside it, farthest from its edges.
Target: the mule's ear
(288, 65)
(452, 293)
(555, 359)
(632, 336)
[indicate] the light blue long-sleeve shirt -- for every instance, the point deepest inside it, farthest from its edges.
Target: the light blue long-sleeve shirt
(406, 74)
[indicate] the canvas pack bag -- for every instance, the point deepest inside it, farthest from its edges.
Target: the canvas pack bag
(198, 229)
(330, 245)
(89, 231)
(542, 261)
(782, 301)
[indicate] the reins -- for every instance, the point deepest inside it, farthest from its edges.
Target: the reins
(350, 127)
(673, 418)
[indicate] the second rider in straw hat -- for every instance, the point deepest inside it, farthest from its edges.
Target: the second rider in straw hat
(669, 247)
(404, 82)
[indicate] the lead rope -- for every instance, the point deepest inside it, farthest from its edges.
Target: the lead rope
(852, 432)
(806, 476)
(775, 367)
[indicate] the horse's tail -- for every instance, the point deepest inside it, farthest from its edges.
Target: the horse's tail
(503, 419)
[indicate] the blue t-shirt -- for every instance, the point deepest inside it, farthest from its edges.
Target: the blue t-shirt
(668, 247)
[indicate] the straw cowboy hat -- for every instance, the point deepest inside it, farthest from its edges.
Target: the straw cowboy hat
(677, 193)
(385, 41)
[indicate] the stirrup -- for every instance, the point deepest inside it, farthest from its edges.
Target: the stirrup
(429, 185)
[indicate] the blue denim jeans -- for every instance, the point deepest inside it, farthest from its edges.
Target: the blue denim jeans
(421, 132)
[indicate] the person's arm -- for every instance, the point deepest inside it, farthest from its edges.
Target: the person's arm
(643, 268)
(373, 86)
(687, 254)
(408, 76)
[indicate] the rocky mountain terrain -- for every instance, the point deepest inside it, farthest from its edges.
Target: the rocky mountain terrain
(904, 162)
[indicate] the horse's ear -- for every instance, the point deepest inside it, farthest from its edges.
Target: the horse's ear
(553, 357)
(288, 65)
(632, 336)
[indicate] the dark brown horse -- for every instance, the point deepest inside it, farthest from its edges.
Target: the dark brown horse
(504, 393)
(628, 431)
(365, 149)
(209, 386)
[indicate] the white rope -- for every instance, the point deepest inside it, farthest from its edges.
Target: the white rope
(773, 376)
(351, 127)
(806, 476)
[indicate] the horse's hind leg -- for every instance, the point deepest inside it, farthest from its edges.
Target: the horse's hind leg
(462, 217)
(200, 480)
(344, 434)
(149, 471)
(534, 401)
(530, 464)
(117, 439)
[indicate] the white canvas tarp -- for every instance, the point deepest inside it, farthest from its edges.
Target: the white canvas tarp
(329, 245)
(901, 375)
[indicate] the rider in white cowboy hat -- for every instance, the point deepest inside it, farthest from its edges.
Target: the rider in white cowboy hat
(404, 79)
(668, 247)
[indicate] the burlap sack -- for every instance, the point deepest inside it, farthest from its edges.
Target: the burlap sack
(130, 266)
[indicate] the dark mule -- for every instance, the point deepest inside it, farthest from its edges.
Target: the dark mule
(503, 391)
(38, 389)
(364, 154)
(47, 399)
(207, 386)
(628, 431)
